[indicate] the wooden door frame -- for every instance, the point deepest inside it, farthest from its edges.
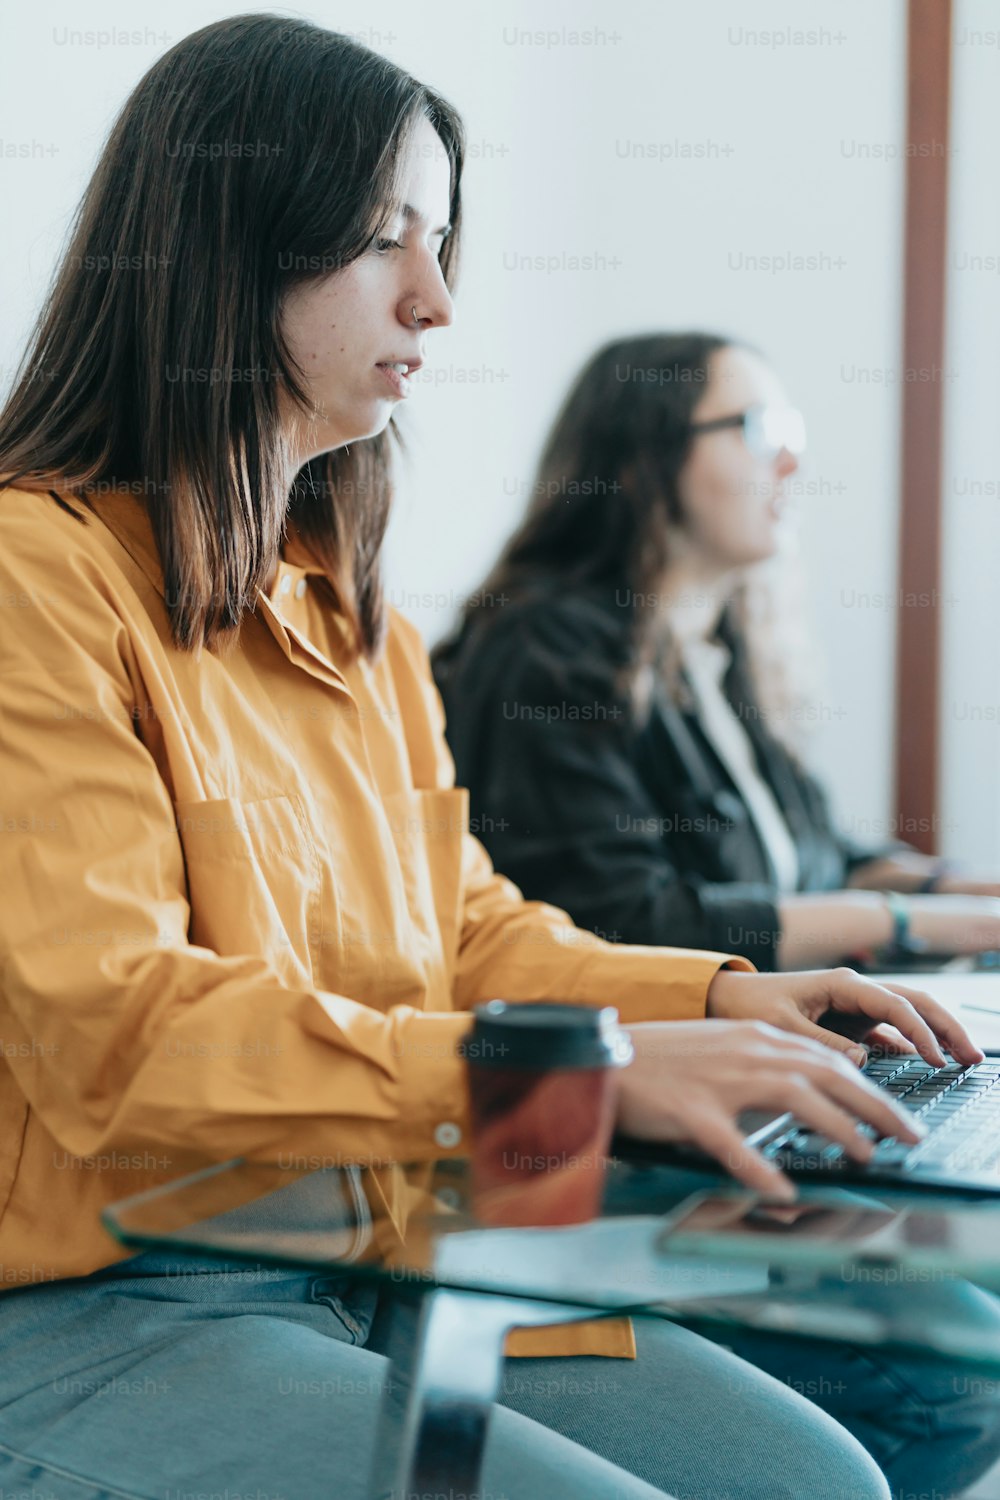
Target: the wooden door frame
(918, 641)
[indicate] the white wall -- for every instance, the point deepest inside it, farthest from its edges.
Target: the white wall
(970, 703)
(776, 131)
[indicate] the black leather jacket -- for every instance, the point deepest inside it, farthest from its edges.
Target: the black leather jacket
(636, 829)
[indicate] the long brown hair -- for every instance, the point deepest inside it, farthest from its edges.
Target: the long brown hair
(257, 154)
(605, 490)
(603, 499)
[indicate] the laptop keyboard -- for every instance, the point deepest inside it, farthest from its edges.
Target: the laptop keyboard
(959, 1105)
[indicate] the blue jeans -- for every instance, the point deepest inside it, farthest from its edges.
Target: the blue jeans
(173, 1379)
(933, 1426)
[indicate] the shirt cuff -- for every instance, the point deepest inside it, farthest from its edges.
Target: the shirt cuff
(433, 1089)
(744, 917)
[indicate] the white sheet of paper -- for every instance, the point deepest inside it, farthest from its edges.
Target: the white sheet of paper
(960, 993)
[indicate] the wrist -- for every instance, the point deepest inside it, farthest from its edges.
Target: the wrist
(937, 878)
(716, 986)
(871, 927)
(901, 944)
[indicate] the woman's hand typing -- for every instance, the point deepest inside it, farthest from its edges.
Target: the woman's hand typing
(842, 1010)
(690, 1080)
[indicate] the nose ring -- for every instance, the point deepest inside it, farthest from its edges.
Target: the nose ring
(416, 320)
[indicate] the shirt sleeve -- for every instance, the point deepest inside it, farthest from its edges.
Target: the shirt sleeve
(121, 1033)
(856, 855)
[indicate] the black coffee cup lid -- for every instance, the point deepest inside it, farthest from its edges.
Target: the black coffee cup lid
(540, 1034)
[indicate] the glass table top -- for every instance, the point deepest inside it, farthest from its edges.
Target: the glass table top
(845, 1264)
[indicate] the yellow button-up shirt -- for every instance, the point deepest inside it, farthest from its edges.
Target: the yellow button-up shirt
(243, 913)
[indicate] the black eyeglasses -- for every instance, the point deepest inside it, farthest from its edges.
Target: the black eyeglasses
(766, 429)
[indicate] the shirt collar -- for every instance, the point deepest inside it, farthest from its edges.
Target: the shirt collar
(127, 518)
(706, 659)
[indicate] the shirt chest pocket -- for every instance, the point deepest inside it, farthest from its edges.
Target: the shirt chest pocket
(255, 881)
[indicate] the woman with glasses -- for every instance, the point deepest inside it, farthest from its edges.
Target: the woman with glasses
(624, 692)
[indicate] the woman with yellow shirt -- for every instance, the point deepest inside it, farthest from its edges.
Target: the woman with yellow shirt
(232, 922)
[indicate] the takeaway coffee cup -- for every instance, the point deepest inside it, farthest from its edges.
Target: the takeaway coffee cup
(543, 1084)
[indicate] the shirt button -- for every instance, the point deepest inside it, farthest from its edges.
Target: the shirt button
(300, 589)
(284, 585)
(447, 1134)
